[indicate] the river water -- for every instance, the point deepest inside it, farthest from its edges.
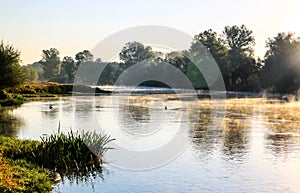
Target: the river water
(242, 145)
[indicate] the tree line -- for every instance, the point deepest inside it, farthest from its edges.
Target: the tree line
(233, 51)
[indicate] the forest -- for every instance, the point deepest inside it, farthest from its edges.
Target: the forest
(233, 51)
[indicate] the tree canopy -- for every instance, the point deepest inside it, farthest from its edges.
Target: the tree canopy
(232, 50)
(281, 72)
(11, 73)
(51, 63)
(135, 52)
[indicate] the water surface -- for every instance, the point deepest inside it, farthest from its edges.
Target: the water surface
(255, 149)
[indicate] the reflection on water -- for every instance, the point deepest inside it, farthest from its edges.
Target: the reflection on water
(9, 123)
(256, 149)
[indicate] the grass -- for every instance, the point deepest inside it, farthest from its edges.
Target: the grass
(72, 151)
(17, 174)
(26, 165)
(16, 95)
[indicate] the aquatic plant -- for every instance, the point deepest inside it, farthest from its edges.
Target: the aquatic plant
(72, 151)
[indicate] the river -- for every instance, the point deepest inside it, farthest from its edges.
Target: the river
(242, 145)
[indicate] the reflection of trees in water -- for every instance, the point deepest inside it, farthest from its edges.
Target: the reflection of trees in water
(136, 117)
(50, 113)
(9, 123)
(283, 128)
(281, 144)
(235, 132)
(233, 136)
(139, 113)
(204, 137)
(89, 177)
(135, 108)
(84, 107)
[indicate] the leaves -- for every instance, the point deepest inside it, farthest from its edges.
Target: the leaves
(10, 70)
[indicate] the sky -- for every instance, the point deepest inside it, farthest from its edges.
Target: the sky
(73, 26)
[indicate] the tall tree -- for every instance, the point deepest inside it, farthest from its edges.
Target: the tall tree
(30, 72)
(215, 45)
(39, 68)
(10, 70)
(68, 69)
(135, 52)
(51, 63)
(243, 75)
(281, 71)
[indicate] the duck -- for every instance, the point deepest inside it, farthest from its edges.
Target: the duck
(56, 177)
(50, 106)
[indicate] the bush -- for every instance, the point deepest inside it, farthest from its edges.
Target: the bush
(19, 175)
(9, 99)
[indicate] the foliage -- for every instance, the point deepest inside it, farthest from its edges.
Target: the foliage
(10, 99)
(69, 152)
(10, 70)
(84, 56)
(26, 164)
(51, 63)
(233, 53)
(30, 73)
(17, 174)
(232, 50)
(282, 61)
(68, 69)
(135, 52)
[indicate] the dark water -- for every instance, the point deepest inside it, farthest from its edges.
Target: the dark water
(256, 148)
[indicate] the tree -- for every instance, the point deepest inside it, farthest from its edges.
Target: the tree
(51, 63)
(239, 39)
(84, 56)
(243, 75)
(281, 71)
(209, 41)
(10, 70)
(30, 72)
(135, 52)
(39, 68)
(68, 69)
(178, 60)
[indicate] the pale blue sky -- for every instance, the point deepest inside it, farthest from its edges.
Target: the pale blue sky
(72, 26)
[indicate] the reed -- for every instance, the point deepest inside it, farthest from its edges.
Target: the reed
(72, 151)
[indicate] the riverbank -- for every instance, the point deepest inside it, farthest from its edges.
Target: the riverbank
(29, 166)
(18, 95)
(17, 174)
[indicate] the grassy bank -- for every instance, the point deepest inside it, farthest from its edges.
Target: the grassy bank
(18, 95)
(27, 166)
(17, 173)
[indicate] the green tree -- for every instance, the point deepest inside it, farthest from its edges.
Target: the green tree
(10, 70)
(209, 41)
(39, 68)
(243, 75)
(30, 73)
(281, 71)
(84, 56)
(68, 69)
(135, 52)
(51, 63)
(178, 60)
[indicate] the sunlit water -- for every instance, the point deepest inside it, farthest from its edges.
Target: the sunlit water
(255, 149)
